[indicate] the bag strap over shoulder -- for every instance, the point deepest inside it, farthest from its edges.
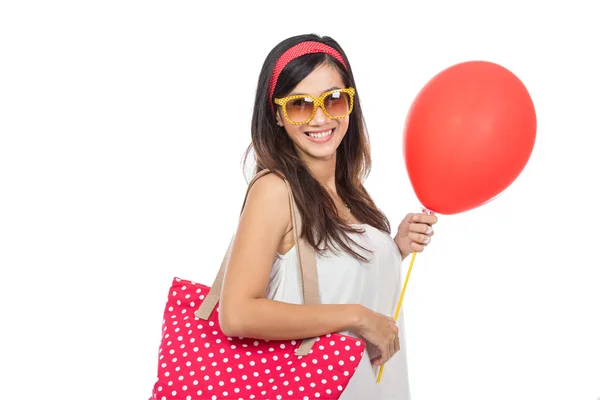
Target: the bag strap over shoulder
(306, 261)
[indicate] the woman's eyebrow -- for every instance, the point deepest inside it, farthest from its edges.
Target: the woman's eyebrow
(304, 94)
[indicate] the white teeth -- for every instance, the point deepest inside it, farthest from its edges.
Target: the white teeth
(320, 135)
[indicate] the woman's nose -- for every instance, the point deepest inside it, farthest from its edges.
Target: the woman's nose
(320, 117)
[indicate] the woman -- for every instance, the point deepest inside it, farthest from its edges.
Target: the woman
(308, 127)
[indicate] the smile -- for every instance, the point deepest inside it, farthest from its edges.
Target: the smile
(320, 137)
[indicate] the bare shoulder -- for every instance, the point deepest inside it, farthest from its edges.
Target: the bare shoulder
(268, 201)
(270, 188)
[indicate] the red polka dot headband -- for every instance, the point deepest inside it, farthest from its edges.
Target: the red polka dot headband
(296, 51)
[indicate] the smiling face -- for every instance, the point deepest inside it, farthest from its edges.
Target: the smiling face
(320, 137)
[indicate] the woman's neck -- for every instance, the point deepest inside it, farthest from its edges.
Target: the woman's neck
(324, 172)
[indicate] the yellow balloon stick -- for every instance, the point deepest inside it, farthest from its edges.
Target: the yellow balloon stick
(412, 261)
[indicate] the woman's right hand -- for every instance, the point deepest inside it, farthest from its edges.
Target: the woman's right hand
(381, 331)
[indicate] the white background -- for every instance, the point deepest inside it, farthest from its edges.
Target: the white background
(122, 127)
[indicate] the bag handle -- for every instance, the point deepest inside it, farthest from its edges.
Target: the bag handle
(307, 262)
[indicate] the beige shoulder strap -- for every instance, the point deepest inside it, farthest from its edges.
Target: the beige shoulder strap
(306, 261)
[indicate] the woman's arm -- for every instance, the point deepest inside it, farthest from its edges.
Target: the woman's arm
(243, 310)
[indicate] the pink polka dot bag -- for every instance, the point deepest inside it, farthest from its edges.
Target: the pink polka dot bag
(197, 361)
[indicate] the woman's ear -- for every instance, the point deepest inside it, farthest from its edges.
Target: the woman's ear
(278, 118)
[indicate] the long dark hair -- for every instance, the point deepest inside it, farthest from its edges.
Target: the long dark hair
(274, 150)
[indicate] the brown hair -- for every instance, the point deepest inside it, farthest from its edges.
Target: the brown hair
(274, 150)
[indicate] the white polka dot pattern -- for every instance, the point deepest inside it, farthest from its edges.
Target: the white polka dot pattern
(197, 361)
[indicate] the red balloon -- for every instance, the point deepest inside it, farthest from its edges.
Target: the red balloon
(468, 135)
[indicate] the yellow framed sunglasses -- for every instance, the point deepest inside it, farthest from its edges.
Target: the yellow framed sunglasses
(301, 108)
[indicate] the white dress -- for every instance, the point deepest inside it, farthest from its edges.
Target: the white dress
(345, 280)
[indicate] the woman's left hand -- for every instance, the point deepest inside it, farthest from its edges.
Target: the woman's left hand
(414, 233)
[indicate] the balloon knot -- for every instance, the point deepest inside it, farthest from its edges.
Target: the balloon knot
(427, 211)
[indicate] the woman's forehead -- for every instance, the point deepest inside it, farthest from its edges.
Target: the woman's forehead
(322, 79)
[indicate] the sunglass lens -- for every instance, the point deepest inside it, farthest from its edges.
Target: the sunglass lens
(299, 110)
(337, 104)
